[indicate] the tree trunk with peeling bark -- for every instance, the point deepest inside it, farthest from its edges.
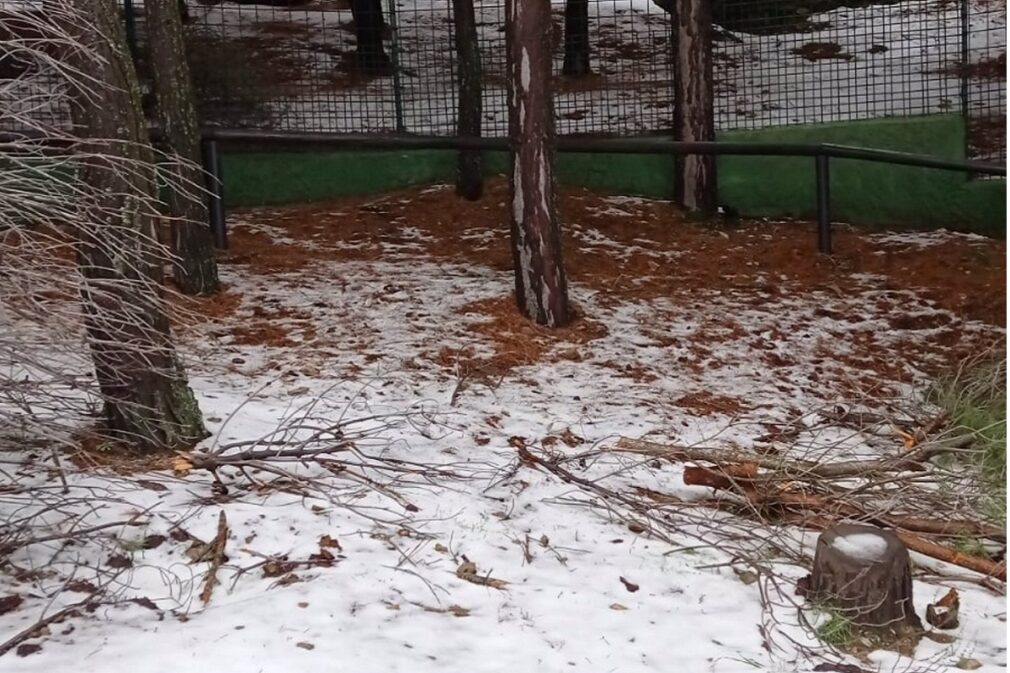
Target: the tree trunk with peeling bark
(576, 63)
(693, 105)
(541, 287)
(195, 270)
(148, 401)
(469, 178)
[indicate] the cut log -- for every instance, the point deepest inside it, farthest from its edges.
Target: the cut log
(865, 573)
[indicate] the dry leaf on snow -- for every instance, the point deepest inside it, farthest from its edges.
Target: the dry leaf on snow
(468, 571)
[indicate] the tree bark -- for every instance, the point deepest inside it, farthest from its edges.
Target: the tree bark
(865, 573)
(195, 271)
(693, 105)
(541, 288)
(148, 401)
(469, 178)
(368, 27)
(576, 63)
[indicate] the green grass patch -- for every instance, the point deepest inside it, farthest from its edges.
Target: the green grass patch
(975, 397)
(837, 631)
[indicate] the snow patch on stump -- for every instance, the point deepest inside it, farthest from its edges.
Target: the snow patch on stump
(862, 546)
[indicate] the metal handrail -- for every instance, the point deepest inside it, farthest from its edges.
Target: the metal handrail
(821, 152)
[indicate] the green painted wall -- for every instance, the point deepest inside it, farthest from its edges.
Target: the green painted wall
(862, 193)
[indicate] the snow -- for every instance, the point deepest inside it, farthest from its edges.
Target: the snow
(862, 546)
(390, 600)
(905, 240)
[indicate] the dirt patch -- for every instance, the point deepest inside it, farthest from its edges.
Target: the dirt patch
(94, 451)
(704, 403)
(821, 51)
(987, 137)
(629, 248)
(984, 69)
(516, 341)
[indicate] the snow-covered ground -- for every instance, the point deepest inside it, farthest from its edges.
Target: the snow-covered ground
(395, 339)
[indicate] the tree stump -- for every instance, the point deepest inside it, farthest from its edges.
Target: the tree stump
(865, 573)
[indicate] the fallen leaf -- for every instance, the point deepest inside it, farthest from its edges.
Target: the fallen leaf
(119, 561)
(570, 439)
(305, 646)
(145, 602)
(181, 466)
(967, 664)
(636, 527)
(327, 542)
(441, 548)
(153, 541)
(10, 603)
(303, 604)
(468, 571)
(630, 586)
(180, 535)
(617, 606)
(278, 567)
(152, 485)
(81, 587)
(288, 579)
(323, 558)
(26, 649)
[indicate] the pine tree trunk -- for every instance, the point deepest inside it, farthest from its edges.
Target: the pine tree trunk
(576, 61)
(148, 401)
(541, 288)
(469, 180)
(196, 267)
(865, 573)
(368, 27)
(693, 105)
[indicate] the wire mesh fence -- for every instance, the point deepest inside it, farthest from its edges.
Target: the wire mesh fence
(983, 72)
(300, 65)
(776, 62)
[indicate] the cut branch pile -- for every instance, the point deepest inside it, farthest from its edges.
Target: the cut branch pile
(338, 462)
(818, 495)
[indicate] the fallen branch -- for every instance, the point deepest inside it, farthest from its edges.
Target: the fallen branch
(799, 469)
(941, 553)
(825, 512)
(216, 557)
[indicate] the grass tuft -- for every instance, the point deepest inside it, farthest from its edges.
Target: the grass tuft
(837, 631)
(975, 397)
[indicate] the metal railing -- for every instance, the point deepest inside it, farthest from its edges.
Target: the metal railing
(821, 153)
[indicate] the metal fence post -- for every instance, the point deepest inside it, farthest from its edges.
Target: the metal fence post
(394, 46)
(215, 188)
(965, 30)
(823, 203)
(130, 21)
